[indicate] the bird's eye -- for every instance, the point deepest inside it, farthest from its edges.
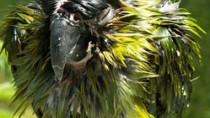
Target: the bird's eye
(74, 18)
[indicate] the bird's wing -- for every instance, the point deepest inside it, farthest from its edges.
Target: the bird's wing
(160, 38)
(26, 39)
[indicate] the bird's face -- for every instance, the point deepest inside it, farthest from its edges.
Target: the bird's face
(70, 37)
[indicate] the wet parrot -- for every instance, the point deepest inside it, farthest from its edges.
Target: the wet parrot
(101, 58)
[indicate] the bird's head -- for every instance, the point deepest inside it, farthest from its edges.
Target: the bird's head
(73, 24)
(85, 8)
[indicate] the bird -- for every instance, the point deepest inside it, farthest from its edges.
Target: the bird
(101, 58)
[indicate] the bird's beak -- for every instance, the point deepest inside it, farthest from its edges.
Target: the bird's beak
(63, 38)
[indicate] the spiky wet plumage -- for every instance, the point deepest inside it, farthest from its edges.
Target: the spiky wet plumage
(141, 63)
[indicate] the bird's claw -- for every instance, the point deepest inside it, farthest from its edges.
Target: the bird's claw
(90, 46)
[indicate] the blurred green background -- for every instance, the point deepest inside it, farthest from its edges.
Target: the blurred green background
(200, 105)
